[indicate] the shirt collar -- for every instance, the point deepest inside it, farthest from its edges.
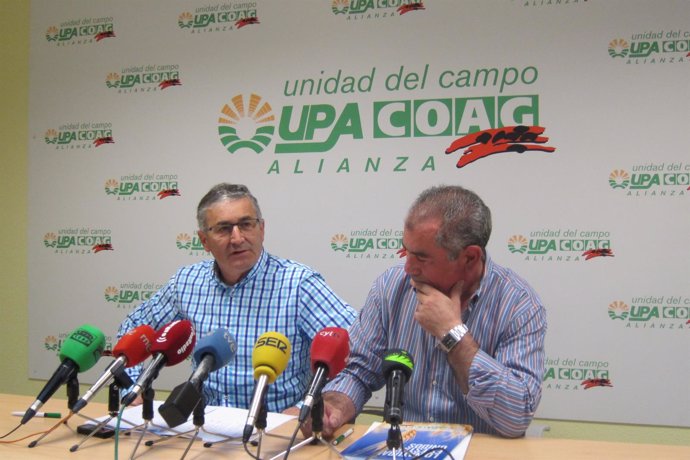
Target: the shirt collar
(485, 281)
(258, 266)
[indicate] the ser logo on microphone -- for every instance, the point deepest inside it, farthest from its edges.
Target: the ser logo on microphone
(272, 342)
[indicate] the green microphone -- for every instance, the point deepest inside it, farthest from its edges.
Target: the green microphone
(79, 352)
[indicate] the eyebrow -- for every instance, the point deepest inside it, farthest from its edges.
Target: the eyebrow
(415, 253)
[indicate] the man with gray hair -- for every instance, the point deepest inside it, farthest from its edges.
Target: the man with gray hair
(248, 291)
(475, 330)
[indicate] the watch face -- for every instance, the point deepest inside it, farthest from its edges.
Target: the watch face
(448, 341)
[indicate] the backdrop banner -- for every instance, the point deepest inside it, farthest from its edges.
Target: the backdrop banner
(569, 118)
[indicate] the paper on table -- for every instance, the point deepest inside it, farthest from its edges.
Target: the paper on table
(220, 422)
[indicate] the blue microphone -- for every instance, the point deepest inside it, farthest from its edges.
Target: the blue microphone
(214, 351)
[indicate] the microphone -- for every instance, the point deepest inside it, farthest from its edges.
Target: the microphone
(173, 343)
(132, 348)
(79, 352)
(397, 368)
(329, 350)
(269, 359)
(214, 351)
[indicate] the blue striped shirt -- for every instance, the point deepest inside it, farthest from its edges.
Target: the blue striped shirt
(505, 317)
(276, 295)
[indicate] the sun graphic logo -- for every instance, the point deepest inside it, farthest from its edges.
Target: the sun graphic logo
(340, 6)
(248, 126)
(185, 20)
(619, 310)
(339, 242)
(111, 186)
(50, 240)
(51, 136)
(51, 343)
(618, 48)
(184, 241)
(111, 294)
(619, 178)
(52, 34)
(113, 80)
(517, 243)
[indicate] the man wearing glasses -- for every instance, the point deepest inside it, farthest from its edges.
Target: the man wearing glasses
(248, 291)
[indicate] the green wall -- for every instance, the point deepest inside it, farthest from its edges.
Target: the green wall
(14, 89)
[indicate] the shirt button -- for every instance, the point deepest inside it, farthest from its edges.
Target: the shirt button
(433, 382)
(431, 419)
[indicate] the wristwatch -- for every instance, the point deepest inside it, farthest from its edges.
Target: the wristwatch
(452, 338)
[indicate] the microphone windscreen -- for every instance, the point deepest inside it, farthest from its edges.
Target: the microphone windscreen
(84, 346)
(397, 359)
(175, 341)
(331, 347)
(220, 344)
(135, 345)
(270, 355)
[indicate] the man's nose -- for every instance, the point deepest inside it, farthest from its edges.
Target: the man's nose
(410, 267)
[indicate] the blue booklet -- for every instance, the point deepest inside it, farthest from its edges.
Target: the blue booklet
(430, 440)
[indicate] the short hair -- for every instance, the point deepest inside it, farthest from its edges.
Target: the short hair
(221, 192)
(465, 219)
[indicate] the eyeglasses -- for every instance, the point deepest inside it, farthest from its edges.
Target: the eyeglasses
(226, 228)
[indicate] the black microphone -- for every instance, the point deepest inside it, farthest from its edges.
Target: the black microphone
(213, 351)
(397, 368)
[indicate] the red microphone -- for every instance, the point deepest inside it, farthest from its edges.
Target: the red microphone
(329, 350)
(132, 348)
(172, 344)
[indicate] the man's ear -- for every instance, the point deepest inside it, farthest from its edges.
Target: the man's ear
(473, 254)
(204, 238)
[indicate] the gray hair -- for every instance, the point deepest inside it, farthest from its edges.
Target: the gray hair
(465, 219)
(223, 192)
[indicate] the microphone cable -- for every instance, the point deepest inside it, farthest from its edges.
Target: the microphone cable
(44, 432)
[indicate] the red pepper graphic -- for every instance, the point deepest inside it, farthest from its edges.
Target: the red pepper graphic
(490, 141)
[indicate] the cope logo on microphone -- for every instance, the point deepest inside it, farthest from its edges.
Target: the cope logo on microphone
(272, 342)
(164, 335)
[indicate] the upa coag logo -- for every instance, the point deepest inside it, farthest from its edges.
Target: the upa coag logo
(561, 245)
(84, 135)
(219, 18)
(128, 295)
(667, 179)
(368, 243)
(144, 78)
(143, 187)
(343, 133)
(79, 240)
(246, 124)
(652, 312)
(81, 31)
(652, 47)
(567, 373)
(374, 9)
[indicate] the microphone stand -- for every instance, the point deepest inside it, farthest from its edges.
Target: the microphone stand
(72, 387)
(317, 428)
(394, 440)
(147, 414)
(113, 410)
(198, 419)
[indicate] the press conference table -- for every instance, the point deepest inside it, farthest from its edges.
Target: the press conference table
(57, 444)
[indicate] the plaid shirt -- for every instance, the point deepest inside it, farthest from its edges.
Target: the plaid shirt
(276, 295)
